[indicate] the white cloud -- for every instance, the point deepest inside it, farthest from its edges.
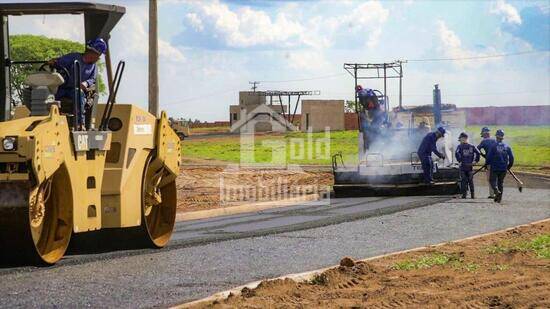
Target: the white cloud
(243, 27)
(170, 53)
(508, 12)
(68, 27)
(247, 27)
(133, 37)
(195, 21)
(306, 60)
(451, 47)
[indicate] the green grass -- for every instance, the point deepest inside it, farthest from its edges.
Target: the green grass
(428, 261)
(531, 146)
(289, 148)
(539, 245)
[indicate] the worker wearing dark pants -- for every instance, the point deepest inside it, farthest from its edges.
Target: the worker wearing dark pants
(497, 183)
(425, 150)
(487, 143)
(467, 155)
(501, 159)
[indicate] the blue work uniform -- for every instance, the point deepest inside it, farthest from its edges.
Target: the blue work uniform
(427, 146)
(371, 106)
(501, 158)
(485, 145)
(88, 74)
(467, 155)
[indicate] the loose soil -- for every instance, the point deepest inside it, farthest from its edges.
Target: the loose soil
(199, 186)
(504, 270)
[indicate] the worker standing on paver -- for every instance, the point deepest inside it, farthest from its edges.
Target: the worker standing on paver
(487, 143)
(371, 117)
(88, 75)
(501, 159)
(467, 155)
(427, 146)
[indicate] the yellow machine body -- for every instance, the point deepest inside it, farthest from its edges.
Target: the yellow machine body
(55, 181)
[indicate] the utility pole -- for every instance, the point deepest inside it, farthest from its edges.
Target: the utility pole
(153, 60)
(254, 85)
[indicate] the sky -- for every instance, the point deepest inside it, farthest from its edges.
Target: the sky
(211, 50)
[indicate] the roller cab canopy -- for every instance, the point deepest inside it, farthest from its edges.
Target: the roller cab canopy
(99, 19)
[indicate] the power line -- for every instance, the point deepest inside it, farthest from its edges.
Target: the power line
(416, 60)
(479, 57)
(409, 60)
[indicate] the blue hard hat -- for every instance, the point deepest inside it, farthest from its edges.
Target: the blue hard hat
(485, 130)
(500, 133)
(441, 130)
(97, 45)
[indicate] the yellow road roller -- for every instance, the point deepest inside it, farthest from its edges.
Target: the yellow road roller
(57, 178)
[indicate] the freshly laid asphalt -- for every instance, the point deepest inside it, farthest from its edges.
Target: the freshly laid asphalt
(207, 256)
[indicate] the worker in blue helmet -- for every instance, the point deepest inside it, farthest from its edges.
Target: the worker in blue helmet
(501, 159)
(467, 155)
(371, 116)
(88, 75)
(425, 150)
(487, 143)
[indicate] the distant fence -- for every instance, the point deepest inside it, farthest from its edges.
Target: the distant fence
(209, 124)
(490, 115)
(508, 115)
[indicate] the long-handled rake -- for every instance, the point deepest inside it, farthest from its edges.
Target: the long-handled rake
(520, 183)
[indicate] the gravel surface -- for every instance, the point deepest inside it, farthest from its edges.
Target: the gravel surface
(189, 271)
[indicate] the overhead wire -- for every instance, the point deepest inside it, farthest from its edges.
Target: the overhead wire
(408, 60)
(479, 57)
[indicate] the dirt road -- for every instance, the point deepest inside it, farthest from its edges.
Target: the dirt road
(199, 186)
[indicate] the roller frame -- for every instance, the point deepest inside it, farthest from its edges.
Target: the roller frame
(45, 145)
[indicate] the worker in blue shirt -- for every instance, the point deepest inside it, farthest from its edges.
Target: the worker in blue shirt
(487, 143)
(501, 159)
(88, 74)
(427, 146)
(371, 107)
(467, 155)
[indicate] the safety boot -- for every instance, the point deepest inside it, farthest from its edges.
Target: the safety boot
(472, 195)
(499, 198)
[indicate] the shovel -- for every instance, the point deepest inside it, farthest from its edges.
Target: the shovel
(479, 169)
(520, 183)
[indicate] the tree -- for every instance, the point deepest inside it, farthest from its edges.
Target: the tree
(38, 47)
(349, 106)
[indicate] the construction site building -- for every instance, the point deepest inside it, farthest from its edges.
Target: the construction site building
(318, 115)
(254, 115)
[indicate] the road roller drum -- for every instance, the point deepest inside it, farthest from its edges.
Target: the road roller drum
(56, 182)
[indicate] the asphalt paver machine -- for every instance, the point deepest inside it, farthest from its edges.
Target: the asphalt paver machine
(57, 179)
(388, 162)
